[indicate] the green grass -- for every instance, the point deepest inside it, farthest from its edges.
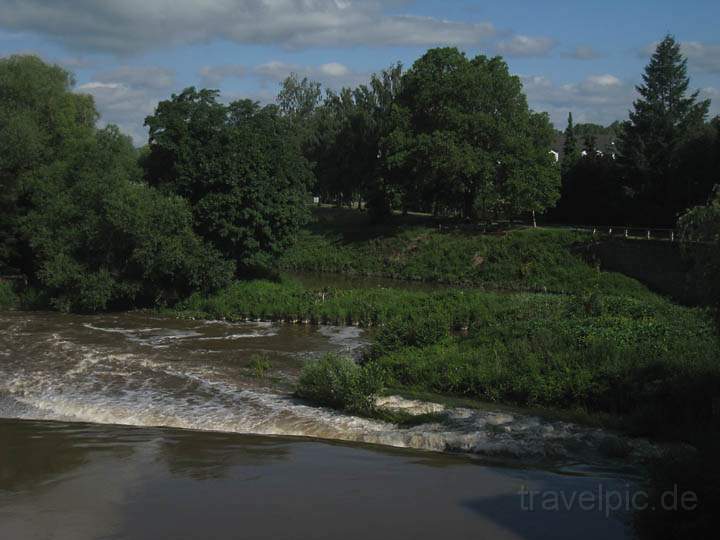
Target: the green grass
(516, 260)
(646, 359)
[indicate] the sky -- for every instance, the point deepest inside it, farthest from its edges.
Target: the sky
(572, 56)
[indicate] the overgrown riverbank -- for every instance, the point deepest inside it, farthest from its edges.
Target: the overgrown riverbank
(418, 248)
(645, 359)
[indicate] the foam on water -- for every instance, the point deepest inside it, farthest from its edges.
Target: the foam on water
(59, 374)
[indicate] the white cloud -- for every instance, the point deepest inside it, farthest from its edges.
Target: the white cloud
(214, 75)
(598, 98)
(603, 80)
(702, 56)
(331, 75)
(583, 52)
(526, 46)
(143, 77)
(133, 26)
(334, 69)
(127, 94)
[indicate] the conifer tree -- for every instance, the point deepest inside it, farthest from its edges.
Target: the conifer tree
(662, 120)
(570, 150)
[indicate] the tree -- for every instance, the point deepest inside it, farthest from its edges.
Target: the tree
(662, 120)
(298, 98)
(469, 140)
(84, 227)
(41, 121)
(298, 101)
(590, 145)
(592, 192)
(103, 239)
(351, 154)
(239, 166)
(570, 149)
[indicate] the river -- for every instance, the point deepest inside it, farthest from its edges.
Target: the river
(139, 426)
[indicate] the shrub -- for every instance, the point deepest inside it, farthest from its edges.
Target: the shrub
(340, 383)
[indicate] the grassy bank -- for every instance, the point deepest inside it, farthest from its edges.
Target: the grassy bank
(343, 241)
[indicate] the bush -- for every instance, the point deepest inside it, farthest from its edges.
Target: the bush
(340, 383)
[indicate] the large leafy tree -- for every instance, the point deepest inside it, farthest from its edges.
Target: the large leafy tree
(664, 117)
(239, 166)
(77, 218)
(470, 140)
(351, 150)
(41, 122)
(103, 239)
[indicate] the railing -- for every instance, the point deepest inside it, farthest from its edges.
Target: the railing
(634, 233)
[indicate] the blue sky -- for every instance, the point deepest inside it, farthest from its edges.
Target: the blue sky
(584, 57)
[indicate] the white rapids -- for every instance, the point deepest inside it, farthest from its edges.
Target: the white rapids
(148, 371)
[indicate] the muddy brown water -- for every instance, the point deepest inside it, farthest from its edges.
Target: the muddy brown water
(138, 426)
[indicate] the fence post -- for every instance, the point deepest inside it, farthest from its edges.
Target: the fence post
(672, 236)
(626, 233)
(648, 235)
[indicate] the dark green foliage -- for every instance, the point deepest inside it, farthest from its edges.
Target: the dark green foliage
(340, 383)
(570, 148)
(664, 118)
(104, 240)
(81, 225)
(700, 232)
(643, 358)
(350, 150)
(592, 192)
(240, 168)
(472, 146)
(583, 130)
(521, 259)
(8, 298)
(653, 362)
(41, 121)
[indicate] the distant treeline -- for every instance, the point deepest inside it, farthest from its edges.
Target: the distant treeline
(221, 189)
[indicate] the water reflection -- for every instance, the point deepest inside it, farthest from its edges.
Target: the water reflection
(37, 453)
(78, 481)
(204, 456)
